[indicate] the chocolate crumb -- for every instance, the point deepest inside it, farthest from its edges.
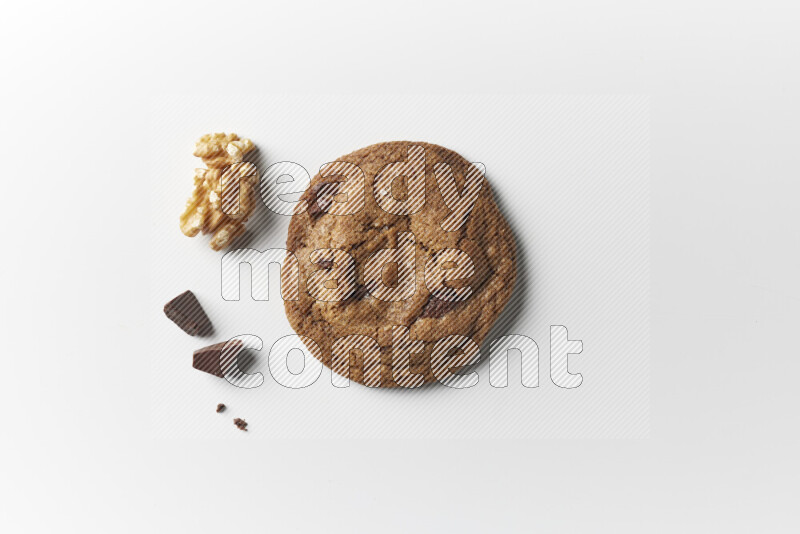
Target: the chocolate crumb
(241, 424)
(220, 408)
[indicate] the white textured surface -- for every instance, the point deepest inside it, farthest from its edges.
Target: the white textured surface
(725, 295)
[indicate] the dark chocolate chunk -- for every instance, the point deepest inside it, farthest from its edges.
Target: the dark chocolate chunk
(217, 359)
(186, 312)
(220, 408)
(360, 293)
(437, 308)
(315, 211)
(241, 424)
(325, 264)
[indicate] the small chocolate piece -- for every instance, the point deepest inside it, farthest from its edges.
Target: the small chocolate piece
(360, 293)
(315, 211)
(220, 408)
(217, 359)
(437, 308)
(241, 424)
(186, 312)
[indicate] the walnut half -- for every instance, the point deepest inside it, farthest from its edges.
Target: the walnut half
(224, 194)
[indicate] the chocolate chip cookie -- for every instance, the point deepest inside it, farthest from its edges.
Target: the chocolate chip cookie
(375, 236)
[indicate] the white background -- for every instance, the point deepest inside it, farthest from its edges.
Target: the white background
(78, 454)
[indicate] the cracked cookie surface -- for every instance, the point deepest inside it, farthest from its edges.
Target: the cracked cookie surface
(485, 237)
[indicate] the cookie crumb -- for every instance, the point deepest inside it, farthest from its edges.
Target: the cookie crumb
(220, 408)
(241, 424)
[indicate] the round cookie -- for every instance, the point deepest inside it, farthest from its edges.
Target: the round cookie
(484, 236)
